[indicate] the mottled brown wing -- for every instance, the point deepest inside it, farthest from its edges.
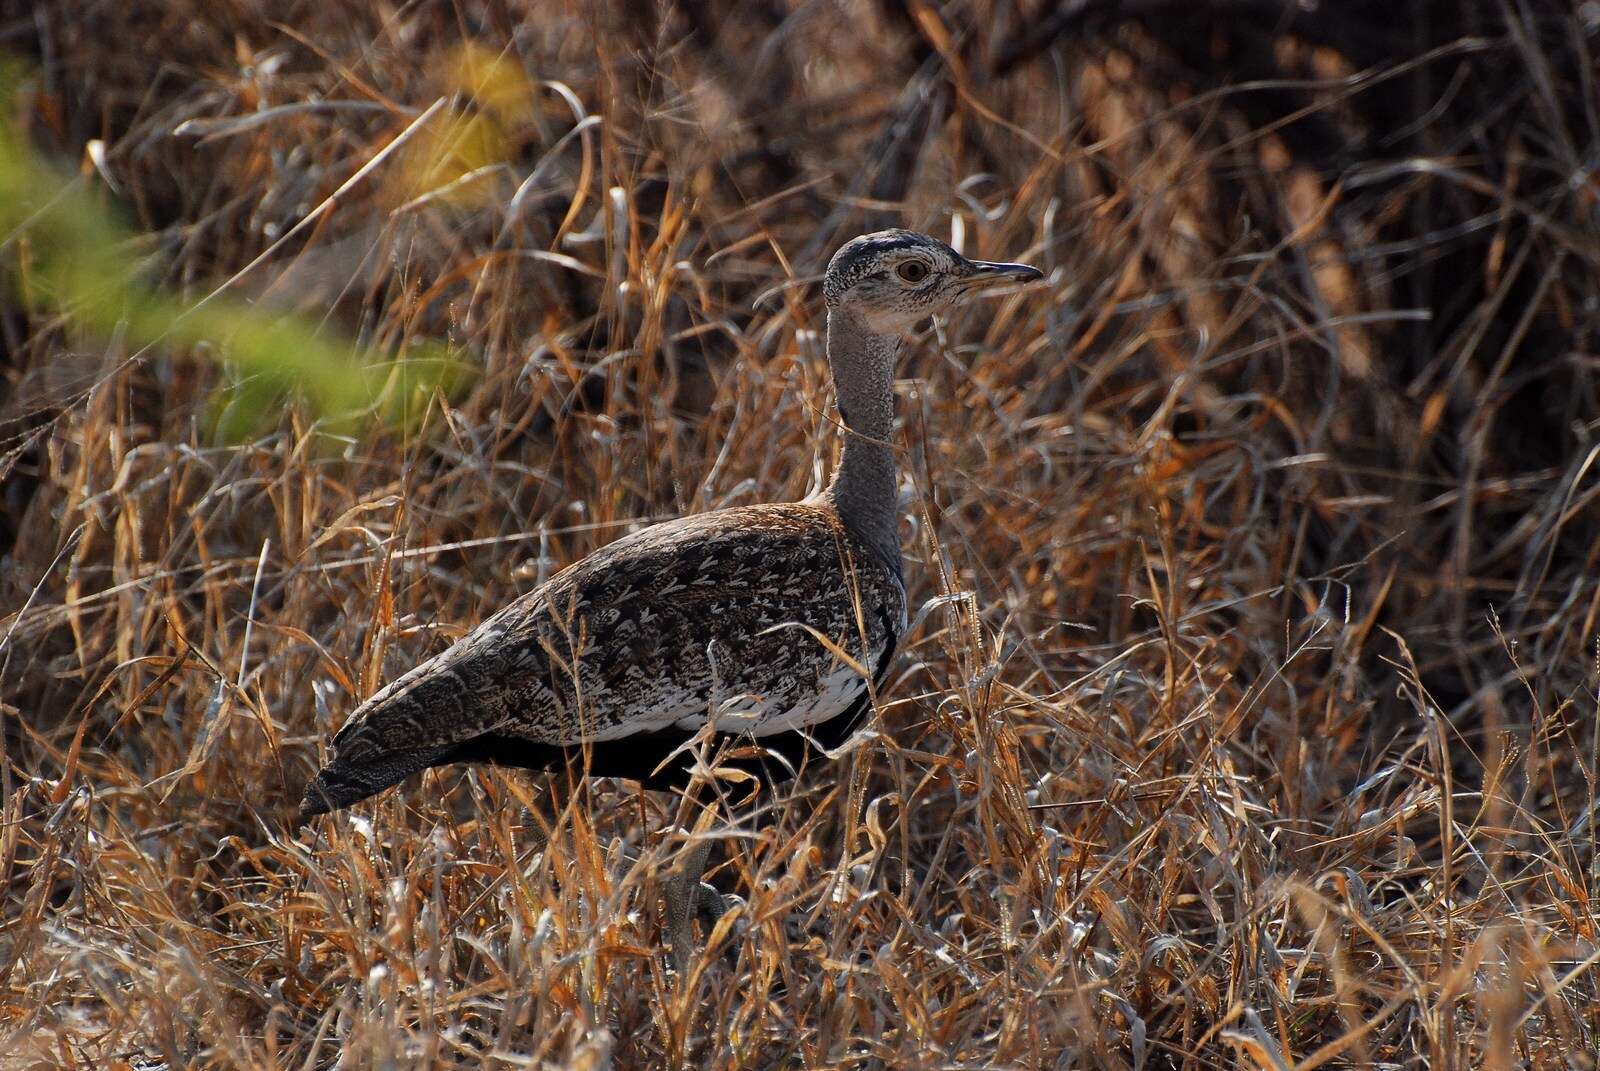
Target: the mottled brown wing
(722, 615)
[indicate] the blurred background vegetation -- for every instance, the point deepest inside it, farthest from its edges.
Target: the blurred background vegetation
(74, 257)
(1272, 733)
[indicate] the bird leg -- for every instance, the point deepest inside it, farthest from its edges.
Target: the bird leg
(560, 789)
(688, 895)
(685, 894)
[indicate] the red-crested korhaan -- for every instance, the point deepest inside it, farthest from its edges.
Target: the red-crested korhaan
(737, 618)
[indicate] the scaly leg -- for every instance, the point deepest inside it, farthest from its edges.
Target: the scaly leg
(687, 895)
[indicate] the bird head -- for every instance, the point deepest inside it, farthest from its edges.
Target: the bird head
(893, 279)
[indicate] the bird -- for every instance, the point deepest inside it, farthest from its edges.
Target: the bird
(772, 624)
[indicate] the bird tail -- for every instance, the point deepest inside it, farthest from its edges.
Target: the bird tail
(411, 724)
(343, 782)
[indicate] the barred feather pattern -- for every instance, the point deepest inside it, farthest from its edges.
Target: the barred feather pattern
(760, 619)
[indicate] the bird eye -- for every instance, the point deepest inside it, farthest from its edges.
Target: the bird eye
(912, 271)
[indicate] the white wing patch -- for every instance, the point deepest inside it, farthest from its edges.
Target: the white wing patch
(833, 696)
(672, 704)
(684, 709)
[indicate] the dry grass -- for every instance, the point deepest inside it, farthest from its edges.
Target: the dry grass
(1251, 720)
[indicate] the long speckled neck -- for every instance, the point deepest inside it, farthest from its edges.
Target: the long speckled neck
(864, 489)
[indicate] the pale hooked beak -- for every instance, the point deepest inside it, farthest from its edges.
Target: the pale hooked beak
(987, 274)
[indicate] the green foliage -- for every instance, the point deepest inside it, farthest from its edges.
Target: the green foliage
(62, 249)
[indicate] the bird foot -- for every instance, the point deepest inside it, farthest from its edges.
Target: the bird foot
(711, 905)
